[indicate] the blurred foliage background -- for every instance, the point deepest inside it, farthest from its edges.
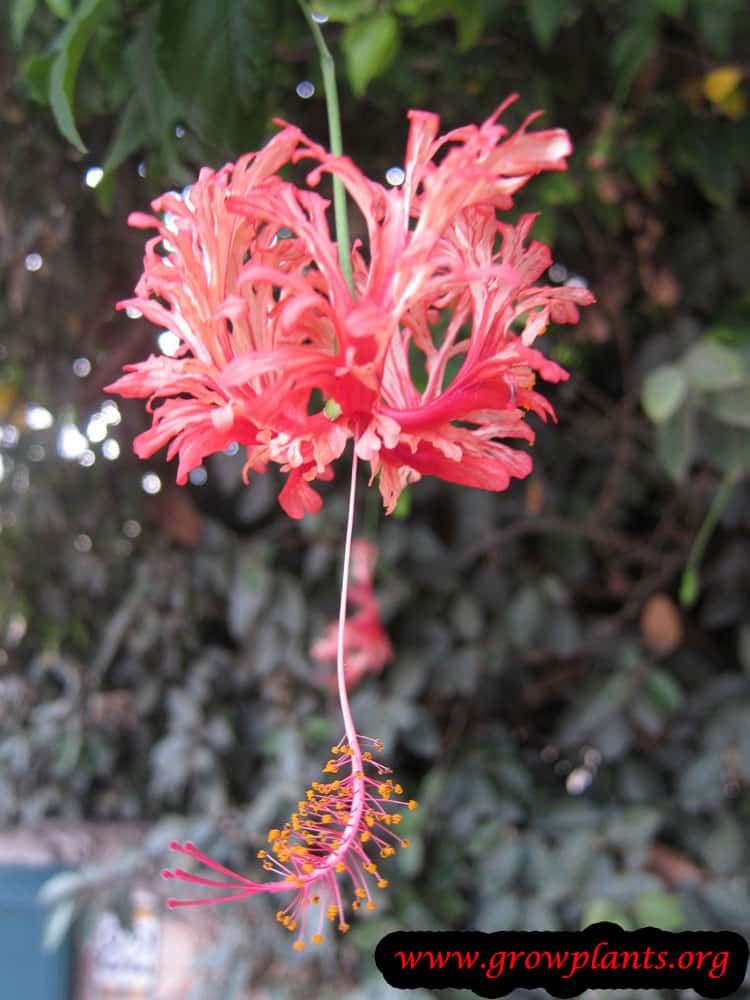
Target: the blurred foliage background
(570, 700)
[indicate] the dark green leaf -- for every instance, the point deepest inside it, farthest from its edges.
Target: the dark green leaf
(231, 42)
(469, 23)
(593, 709)
(155, 104)
(370, 46)
(544, 17)
(664, 689)
(718, 21)
(130, 136)
(674, 8)
(20, 15)
(35, 72)
(632, 50)
(71, 46)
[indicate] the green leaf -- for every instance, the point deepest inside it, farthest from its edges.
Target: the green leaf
(664, 690)
(130, 135)
(733, 407)
(658, 909)
(718, 23)
(673, 8)
(469, 24)
(409, 8)
(71, 46)
(595, 707)
(710, 366)
(402, 510)
(344, 11)
(602, 910)
(644, 164)
(558, 189)
(632, 50)
(35, 72)
(675, 443)
(370, 47)
(544, 17)
(690, 586)
(664, 390)
(156, 104)
(61, 8)
(20, 15)
(218, 59)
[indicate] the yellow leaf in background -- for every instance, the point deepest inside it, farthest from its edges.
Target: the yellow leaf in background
(721, 82)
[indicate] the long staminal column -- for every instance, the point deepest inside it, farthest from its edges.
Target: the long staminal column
(328, 844)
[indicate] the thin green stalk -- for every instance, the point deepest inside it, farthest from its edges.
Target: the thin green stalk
(328, 68)
(690, 583)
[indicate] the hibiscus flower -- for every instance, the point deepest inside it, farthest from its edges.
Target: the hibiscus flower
(427, 363)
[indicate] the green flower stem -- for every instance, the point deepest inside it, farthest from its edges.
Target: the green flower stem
(690, 583)
(328, 68)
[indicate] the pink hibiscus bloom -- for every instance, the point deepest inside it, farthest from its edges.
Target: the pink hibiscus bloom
(442, 290)
(367, 648)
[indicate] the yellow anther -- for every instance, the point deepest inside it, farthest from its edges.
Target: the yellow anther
(317, 938)
(273, 835)
(412, 805)
(299, 945)
(386, 852)
(360, 893)
(355, 905)
(396, 819)
(332, 912)
(335, 750)
(314, 899)
(267, 866)
(291, 925)
(369, 820)
(404, 843)
(371, 869)
(261, 855)
(371, 905)
(307, 868)
(364, 836)
(340, 867)
(383, 883)
(398, 790)
(327, 818)
(343, 927)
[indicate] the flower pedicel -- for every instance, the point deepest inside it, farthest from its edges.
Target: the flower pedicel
(244, 271)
